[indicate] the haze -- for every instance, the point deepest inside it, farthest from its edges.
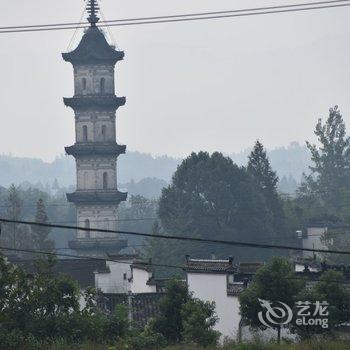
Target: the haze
(205, 85)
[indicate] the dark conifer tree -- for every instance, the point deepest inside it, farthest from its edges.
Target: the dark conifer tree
(14, 235)
(259, 166)
(260, 169)
(40, 233)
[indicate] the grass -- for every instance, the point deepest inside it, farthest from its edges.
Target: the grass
(324, 345)
(336, 345)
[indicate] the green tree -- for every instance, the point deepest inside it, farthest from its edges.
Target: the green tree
(14, 235)
(259, 167)
(329, 180)
(184, 318)
(198, 319)
(45, 306)
(324, 194)
(211, 197)
(142, 209)
(169, 322)
(40, 234)
(331, 289)
(274, 282)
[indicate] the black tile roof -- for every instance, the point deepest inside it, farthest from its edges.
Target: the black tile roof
(249, 267)
(209, 266)
(81, 270)
(93, 49)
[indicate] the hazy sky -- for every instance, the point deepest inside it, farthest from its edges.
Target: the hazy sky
(210, 85)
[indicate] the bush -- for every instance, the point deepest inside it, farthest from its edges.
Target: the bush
(17, 340)
(198, 320)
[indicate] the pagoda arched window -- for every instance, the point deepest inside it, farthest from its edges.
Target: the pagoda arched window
(85, 133)
(102, 85)
(87, 225)
(105, 181)
(83, 83)
(104, 132)
(85, 180)
(106, 224)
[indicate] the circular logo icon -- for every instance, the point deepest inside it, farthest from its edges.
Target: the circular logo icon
(277, 313)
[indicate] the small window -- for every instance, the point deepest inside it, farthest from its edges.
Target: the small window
(83, 83)
(105, 181)
(102, 85)
(103, 131)
(106, 224)
(87, 225)
(85, 133)
(124, 276)
(86, 175)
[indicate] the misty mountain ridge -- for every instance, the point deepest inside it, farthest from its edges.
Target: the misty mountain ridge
(142, 173)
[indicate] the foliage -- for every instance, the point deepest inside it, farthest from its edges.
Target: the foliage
(330, 288)
(198, 319)
(145, 340)
(317, 345)
(45, 307)
(329, 181)
(15, 235)
(40, 234)
(331, 161)
(210, 197)
(183, 318)
(132, 212)
(273, 282)
(169, 322)
(260, 169)
(324, 194)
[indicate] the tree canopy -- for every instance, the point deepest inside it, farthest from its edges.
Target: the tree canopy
(211, 197)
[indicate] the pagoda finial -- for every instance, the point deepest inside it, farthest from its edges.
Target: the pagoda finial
(92, 9)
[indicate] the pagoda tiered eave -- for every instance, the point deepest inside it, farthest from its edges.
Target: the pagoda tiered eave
(98, 197)
(94, 101)
(100, 149)
(106, 244)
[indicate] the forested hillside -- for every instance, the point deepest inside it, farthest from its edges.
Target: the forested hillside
(289, 162)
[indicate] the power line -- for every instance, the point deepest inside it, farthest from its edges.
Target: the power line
(148, 264)
(182, 18)
(84, 257)
(180, 238)
(177, 16)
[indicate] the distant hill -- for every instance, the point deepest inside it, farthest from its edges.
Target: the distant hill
(131, 166)
(291, 161)
(140, 173)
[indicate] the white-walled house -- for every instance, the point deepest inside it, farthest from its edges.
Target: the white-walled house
(125, 274)
(313, 240)
(213, 280)
(116, 277)
(118, 274)
(142, 280)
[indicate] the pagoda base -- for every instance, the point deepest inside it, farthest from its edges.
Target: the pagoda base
(101, 247)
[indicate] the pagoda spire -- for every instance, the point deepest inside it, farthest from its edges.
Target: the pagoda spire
(92, 9)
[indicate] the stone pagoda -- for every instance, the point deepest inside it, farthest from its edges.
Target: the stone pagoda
(95, 151)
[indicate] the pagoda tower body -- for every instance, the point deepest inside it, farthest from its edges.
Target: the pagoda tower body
(96, 151)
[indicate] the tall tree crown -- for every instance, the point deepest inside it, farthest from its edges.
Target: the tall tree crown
(259, 166)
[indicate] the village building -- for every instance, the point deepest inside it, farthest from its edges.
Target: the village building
(221, 281)
(313, 239)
